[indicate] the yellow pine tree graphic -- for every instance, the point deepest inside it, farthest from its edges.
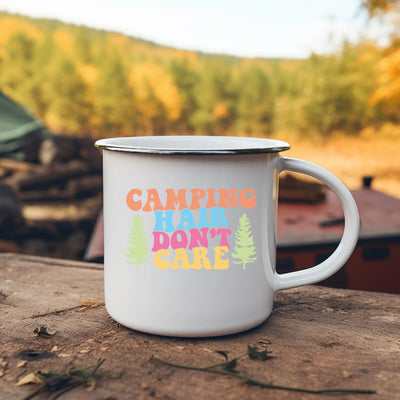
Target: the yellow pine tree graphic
(245, 250)
(138, 251)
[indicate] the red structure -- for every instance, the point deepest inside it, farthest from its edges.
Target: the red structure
(308, 233)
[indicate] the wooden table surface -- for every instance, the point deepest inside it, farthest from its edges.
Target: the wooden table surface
(319, 338)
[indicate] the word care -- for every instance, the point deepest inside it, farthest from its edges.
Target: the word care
(186, 237)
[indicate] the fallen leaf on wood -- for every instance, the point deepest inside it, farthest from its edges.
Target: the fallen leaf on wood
(257, 354)
(45, 331)
(263, 341)
(223, 353)
(144, 385)
(3, 366)
(90, 385)
(69, 378)
(64, 355)
(347, 374)
(22, 364)
(33, 377)
(85, 304)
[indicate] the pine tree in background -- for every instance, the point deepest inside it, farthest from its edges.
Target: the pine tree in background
(215, 99)
(16, 59)
(245, 250)
(185, 78)
(255, 102)
(137, 250)
(114, 108)
(68, 109)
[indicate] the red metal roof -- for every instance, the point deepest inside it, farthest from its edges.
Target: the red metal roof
(303, 223)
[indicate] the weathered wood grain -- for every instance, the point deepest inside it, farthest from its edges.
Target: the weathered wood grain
(319, 338)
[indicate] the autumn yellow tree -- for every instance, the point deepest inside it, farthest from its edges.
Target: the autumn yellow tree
(156, 97)
(84, 80)
(185, 77)
(19, 42)
(215, 98)
(387, 94)
(11, 25)
(68, 108)
(379, 7)
(255, 104)
(113, 102)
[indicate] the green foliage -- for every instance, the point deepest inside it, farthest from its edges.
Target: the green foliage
(82, 80)
(256, 354)
(184, 78)
(59, 382)
(255, 102)
(113, 101)
(16, 68)
(336, 93)
(66, 96)
(245, 250)
(137, 250)
(228, 368)
(215, 99)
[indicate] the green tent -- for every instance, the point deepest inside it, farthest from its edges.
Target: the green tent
(17, 126)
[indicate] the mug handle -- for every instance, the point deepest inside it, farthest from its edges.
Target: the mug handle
(350, 234)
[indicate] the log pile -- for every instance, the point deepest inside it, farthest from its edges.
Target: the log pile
(300, 188)
(50, 200)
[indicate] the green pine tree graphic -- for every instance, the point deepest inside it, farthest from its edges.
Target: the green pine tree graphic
(245, 250)
(137, 250)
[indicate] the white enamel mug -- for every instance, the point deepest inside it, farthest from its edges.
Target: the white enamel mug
(190, 232)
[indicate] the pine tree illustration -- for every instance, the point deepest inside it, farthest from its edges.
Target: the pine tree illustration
(245, 250)
(137, 249)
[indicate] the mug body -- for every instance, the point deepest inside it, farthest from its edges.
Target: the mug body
(189, 240)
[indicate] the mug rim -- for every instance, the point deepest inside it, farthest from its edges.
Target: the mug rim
(192, 145)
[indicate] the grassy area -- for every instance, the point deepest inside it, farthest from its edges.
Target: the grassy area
(373, 153)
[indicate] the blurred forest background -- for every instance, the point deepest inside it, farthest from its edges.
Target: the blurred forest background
(340, 110)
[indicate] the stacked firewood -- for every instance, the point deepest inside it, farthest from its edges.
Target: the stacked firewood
(300, 188)
(50, 200)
